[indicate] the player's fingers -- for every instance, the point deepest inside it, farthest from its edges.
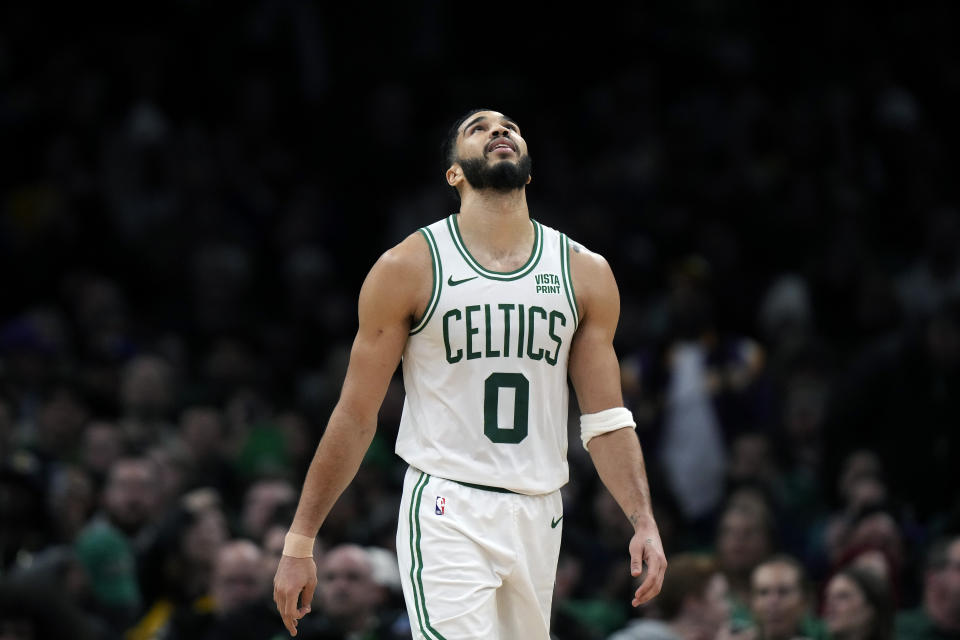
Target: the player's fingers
(637, 566)
(306, 597)
(278, 599)
(287, 606)
(650, 586)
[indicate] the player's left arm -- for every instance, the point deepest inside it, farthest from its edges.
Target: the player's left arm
(616, 454)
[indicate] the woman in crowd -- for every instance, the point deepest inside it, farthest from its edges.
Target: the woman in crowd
(858, 605)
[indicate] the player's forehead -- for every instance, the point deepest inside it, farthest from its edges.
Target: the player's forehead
(484, 116)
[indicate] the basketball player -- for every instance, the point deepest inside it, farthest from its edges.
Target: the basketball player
(489, 311)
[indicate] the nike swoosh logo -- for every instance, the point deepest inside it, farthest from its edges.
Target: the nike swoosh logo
(453, 283)
(554, 523)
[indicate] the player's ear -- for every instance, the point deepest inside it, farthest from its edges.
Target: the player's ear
(454, 175)
(529, 178)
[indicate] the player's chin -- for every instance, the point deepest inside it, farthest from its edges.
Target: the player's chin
(497, 158)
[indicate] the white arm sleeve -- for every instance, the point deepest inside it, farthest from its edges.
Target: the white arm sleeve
(595, 424)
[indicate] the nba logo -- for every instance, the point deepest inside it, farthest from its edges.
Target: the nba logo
(441, 505)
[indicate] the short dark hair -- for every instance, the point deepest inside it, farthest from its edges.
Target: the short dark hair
(754, 501)
(689, 575)
(787, 560)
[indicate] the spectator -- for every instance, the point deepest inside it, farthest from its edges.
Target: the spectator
(805, 383)
(204, 440)
(262, 501)
(101, 446)
(752, 463)
(875, 539)
(237, 583)
(745, 537)
(71, 500)
(237, 577)
(109, 543)
(131, 497)
(858, 605)
(780, 601)
(352, 604)
(935, 274)
(259, 619)
(58, 572)
(693, 603)
(938, 618)
(146, 397)
(109, 561)
(176, 569)
(32, 609)
(59, 425)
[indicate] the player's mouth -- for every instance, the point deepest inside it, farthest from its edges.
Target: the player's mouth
(501, 145)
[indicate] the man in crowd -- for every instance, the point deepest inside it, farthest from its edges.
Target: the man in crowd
(939, 615)
(693, 604)
(780, 602)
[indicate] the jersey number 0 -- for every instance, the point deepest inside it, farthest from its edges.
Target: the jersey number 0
(491, 401)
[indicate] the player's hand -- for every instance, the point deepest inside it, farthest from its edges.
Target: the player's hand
(647, 561)
(295, 580)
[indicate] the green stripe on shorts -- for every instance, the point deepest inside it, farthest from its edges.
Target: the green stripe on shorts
(416, 557)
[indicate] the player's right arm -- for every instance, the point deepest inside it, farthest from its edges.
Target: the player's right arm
(394, 293)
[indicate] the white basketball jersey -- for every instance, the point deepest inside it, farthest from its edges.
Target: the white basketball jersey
(485, 369)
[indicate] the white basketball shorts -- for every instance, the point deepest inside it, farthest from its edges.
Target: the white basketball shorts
(477, 563)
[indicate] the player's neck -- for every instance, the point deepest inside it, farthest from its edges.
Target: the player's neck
(495, 223)
(504, 204)
(496, 209)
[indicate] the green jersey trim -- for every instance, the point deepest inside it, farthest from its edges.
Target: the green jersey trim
(437, 281)
(416, 561)
(532, 261)
(568, 278)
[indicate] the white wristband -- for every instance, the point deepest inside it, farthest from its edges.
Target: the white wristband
(298, 546)
(595, 424)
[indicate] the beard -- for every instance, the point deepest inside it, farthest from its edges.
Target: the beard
(503, 176)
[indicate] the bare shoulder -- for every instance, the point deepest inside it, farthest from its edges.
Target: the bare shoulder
(593, 282)
(588, 263)
(402, 276)
(410, 255)
(589, 269)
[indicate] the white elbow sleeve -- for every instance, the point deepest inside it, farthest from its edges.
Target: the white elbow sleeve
(595, 424)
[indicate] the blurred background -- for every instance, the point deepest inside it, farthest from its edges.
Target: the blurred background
(193, 192)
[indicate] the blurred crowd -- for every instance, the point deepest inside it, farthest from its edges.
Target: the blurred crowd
(192, 194)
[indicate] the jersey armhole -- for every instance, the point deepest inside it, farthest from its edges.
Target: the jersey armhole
(568, 278)
(437, 281)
